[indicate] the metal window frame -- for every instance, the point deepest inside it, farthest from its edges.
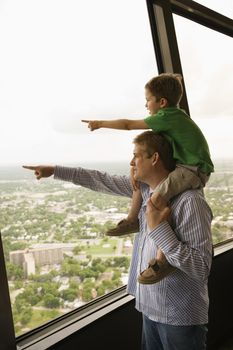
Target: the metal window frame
(7, 332)
(203, 15)
(164, 36)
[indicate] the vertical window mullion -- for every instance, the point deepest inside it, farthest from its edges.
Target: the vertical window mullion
(7, 334)
(165, 42)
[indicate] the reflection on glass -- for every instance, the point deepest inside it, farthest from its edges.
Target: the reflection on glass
(62, 62)
(207, 63)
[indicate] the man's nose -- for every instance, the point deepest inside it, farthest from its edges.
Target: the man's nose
(132, 162)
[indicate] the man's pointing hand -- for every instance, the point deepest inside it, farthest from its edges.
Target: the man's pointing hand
(41, 170)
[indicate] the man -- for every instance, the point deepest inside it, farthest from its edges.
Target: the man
(174, 310)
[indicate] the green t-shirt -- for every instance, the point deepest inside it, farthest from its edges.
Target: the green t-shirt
(189, 144)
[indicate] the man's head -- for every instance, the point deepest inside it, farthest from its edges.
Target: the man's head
(152, 156)
(165, 90)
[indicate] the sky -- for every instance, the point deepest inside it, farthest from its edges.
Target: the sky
(63, 61)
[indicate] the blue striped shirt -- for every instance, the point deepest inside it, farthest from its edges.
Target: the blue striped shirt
(182, 297)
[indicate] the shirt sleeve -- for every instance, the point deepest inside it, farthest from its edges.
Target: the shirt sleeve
(188, 246)
(157, 122)
(150, 123)
(95, 180)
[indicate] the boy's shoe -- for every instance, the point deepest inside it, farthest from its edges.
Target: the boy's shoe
(155, 272)
(124, 227)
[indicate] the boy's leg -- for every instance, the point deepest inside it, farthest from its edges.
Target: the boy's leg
(130, 224)
(179, 180)
(158, 269)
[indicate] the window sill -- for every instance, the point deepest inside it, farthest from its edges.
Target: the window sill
(61, 328)
(223, 247)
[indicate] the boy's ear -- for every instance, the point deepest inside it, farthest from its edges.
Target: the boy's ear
(163, 102)
(155, 158)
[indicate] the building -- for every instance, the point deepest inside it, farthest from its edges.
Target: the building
(29, 259)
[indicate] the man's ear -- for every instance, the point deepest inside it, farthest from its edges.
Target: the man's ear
(155, 158)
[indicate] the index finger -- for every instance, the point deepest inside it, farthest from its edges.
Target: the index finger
(151, 204)
(85, 121)
(30, 167)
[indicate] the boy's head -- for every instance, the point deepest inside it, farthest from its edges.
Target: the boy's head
(165, 90)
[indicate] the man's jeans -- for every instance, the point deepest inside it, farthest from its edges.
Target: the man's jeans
(159, 336)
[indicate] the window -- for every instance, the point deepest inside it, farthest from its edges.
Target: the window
(62, 62)
(207, 66)
(66, 61)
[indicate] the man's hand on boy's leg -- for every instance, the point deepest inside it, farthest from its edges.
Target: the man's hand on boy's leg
(155, 216)
(158, 201)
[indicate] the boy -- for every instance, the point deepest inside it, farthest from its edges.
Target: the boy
(190, 150)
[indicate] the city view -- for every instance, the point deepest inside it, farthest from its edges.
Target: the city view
(57, 254)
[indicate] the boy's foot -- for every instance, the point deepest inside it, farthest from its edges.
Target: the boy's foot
(124, 227)
(155, 272)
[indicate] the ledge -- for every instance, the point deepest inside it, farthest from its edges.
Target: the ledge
(223, 247)
(59, 329)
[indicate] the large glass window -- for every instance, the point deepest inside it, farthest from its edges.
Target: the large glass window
(60, 62)
(206, 57)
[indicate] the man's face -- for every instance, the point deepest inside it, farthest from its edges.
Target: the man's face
(141, 163)
(151, 104)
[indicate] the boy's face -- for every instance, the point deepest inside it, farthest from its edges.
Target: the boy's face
(151, 104)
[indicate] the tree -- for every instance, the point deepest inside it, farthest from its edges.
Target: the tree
(69, 294)
(14, 272)
(77, 249)
(87, 294)
(26, 316)
(50, 301)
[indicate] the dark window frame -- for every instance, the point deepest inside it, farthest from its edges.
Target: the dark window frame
(164, 35)
(7, 332)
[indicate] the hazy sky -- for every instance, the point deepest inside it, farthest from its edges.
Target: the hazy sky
(63, 61)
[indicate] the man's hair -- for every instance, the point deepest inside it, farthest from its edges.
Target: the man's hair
(166, 85)
(155, 142)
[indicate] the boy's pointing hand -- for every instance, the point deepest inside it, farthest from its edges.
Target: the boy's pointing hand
(92, 124)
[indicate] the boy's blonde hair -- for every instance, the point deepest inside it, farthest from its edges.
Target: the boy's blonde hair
(166, 85)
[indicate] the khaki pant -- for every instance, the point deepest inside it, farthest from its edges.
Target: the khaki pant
(181, 179)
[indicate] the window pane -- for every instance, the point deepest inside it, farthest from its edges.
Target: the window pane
(63, 61)
(207, 68)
